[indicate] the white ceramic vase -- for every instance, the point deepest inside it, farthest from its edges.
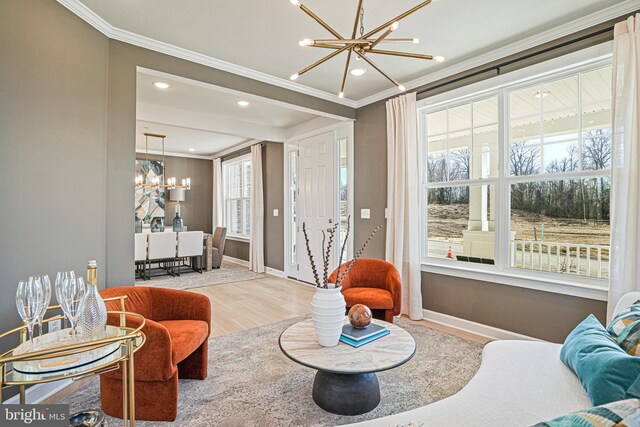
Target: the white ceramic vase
(327, 309)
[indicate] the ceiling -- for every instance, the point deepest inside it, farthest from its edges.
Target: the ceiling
(206, 118)
(263, 35)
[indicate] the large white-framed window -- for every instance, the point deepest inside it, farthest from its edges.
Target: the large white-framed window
(516, 178)
(236, 183)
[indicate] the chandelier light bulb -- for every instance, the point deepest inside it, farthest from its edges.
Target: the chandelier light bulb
(139, 180)
(438, 58)
(415, 41)
(341, 95)
(294, 76)
(306, 42)
(394, 26)
(401, 88)
(295, 2)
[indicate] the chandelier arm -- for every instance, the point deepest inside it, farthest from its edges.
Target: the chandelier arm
(397, 18)
(346, 70)
(381, 38)
(403, 54)
(316, 18)
(320, 61)
(326, 46)
(359, 41)
(378, 69)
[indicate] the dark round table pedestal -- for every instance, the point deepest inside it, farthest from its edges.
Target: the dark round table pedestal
(345, 394)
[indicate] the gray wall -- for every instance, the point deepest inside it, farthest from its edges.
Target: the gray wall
(534, 313)
(273, 181)
(53, 145)
(273, 187)
(370, 178)
(198, 207)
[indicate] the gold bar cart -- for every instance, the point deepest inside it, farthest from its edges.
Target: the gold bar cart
(113, 351)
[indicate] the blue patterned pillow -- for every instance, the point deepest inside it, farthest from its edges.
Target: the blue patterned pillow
(625, 329)
(623, 413)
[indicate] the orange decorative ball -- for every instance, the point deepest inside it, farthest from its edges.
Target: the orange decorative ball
(359, 316)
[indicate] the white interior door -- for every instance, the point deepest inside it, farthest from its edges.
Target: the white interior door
(316, 202)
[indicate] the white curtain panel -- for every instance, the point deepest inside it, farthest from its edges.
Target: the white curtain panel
(625, 198)
(403, 221)
(218, 198)
(256, 252)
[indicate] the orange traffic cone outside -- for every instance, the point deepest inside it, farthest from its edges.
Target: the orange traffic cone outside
(449, 254)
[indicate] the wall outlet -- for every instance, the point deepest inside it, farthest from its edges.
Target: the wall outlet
(386, 213)
(55, 325)
(275, 212)
(365, 213)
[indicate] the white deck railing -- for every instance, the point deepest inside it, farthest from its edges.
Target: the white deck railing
(568, 258)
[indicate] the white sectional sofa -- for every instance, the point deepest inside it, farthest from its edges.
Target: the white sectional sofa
(519, 383)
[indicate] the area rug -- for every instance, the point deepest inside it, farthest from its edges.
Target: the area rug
(228, 273)
(251, 383)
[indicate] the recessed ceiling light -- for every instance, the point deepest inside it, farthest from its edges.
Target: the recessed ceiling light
(192, 149)
(358, 71)
(161, 85)
(243, 103)
(542, 94)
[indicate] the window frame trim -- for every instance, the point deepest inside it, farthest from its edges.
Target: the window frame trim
(500, 86)
(225, 191)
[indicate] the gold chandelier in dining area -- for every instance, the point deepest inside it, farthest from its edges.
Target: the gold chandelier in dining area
(363, 45)
(160, 181)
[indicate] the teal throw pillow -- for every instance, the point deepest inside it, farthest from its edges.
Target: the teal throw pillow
(606, 372)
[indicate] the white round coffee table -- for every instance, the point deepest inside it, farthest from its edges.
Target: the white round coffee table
(346, 382)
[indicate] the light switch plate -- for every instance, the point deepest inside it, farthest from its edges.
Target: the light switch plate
(275, 212)
(365, 213)
(386, 213)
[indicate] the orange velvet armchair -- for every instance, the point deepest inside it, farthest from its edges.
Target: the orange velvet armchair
(177, 328)
(374, 283)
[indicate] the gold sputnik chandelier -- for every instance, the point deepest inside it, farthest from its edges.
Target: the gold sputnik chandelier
(367, 43)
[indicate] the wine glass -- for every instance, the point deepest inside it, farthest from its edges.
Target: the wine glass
(29, 300)
(46, 292)
(70, 292)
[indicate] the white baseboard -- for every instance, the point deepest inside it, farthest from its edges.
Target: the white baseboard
(236, 261)
(473, 327)
(39, 392)
(274, 272)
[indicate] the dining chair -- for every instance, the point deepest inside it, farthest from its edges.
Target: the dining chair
(162, 249)
(190, 245)
(140, 254)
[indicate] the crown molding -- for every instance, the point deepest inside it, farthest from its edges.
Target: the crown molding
(583, 23)
(114, 33)
(611, 12)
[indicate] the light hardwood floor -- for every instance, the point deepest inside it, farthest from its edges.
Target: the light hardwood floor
(245, 305)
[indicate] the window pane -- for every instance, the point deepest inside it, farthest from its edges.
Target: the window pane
(460, 223)
(561, 157)
(459, 118)
(524, 158)
(235, 216)
(246, 217)
(561, 226)
(246, 180)
(436, 123)
(596, 119)
(234, 179)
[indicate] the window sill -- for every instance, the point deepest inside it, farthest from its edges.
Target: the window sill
(589, 288)
(238, 238)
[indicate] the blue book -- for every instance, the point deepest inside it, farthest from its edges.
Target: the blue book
(362, 342)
